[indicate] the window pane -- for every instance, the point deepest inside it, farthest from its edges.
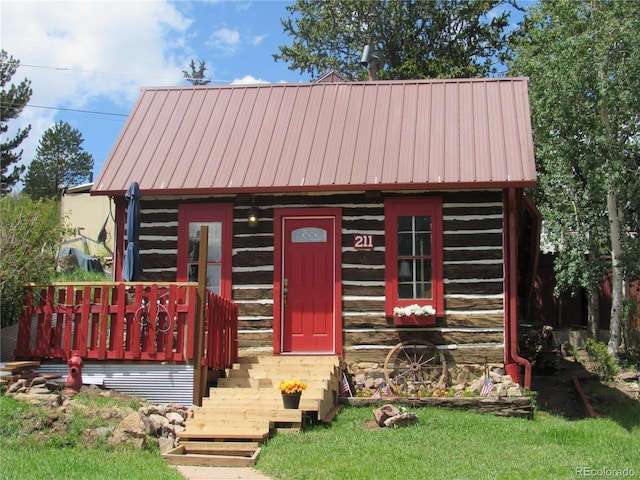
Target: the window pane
(423, 244)
(405, 290)
(414, 271)
(423, 224)
(215, 241)
(405, 244)
(213, 276)
(405, 224)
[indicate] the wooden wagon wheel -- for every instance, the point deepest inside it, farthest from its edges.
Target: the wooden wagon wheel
(413, 364)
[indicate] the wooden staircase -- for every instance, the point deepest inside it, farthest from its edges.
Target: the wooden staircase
(246, 408)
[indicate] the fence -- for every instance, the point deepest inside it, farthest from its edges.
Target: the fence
(124, 321)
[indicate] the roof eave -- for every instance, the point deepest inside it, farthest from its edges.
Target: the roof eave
(164, 192)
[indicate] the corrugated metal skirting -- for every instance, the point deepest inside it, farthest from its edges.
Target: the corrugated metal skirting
(156, 383)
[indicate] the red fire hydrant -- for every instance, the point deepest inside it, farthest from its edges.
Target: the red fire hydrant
(74, 376)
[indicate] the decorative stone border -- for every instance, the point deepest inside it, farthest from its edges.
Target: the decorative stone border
(503, 407)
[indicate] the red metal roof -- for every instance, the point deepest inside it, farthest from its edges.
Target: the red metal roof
(383, 135)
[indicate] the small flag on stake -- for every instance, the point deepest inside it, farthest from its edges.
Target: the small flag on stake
(487, 387)
(376, 393)
(345, 389)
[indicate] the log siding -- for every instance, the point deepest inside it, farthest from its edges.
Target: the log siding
(472, 329)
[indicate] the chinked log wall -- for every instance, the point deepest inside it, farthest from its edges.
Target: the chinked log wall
(472, 330)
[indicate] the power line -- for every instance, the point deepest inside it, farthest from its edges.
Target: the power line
(78, 110)
(78, 70)
(94, 112)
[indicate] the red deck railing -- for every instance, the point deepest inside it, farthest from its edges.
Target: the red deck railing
(221, 335)
(124, 321)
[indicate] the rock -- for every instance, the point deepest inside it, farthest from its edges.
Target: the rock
(130, 430)
(402, 420)
(36, 381)
(178, 429)
(175, 418)
(54, 401)
(16, 386)
(476, 385)
(39, 390)
(514, 390)
(166, 444)
(366, 366)
(629, 376)
(158, 420)
(103, 432)
(495, 377)
(384, 412)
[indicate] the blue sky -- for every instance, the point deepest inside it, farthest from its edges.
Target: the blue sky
(95, 55)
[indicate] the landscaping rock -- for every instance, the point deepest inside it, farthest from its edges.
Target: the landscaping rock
(175, 418)
(402, 420)
(384, 412)
(130, 430)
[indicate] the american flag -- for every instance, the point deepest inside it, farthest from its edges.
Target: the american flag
(345, 390)
(376, 393)
(487, 387)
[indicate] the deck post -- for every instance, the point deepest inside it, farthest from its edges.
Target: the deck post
(200, 371)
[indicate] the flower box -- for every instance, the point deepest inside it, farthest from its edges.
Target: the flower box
(414, 319)
(414, 315)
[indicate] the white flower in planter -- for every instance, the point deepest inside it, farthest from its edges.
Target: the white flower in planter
(414, 309)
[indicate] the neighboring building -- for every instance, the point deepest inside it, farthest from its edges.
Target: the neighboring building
(368, 195)
(90, 219)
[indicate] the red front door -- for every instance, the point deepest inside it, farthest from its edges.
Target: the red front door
(309, 307)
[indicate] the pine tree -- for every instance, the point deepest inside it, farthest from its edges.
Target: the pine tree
(196, 76)
(60, 161)
(12, 101)
(415, 38)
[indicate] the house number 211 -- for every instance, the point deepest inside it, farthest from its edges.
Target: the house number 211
(363, 242)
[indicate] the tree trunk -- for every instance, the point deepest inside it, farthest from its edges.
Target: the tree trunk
(593, 314)
(617, 293)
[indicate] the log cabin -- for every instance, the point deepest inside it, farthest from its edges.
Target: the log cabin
(330, 204)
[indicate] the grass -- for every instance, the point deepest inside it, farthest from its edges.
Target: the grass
(452, 445)
(40, 442)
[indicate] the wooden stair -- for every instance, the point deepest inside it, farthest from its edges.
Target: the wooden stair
(245, 408)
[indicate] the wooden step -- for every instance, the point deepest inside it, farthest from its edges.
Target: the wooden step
(244, 382)
(258, 395)
(214, 454)
(247, 406)
(255, 431)
(289, 359)
(266, 414)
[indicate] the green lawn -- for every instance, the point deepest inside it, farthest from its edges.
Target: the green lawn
(449, 444)
(39, 443)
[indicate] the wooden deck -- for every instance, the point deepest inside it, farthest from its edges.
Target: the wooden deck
(246, 408)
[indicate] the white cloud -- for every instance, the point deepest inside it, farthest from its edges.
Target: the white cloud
(78, 53)
(258, 39)
(225, 40)
(248, 79)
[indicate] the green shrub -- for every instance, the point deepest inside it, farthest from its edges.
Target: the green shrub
(604, 365)
(30, 232)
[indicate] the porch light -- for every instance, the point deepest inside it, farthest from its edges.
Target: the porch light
(252, 216)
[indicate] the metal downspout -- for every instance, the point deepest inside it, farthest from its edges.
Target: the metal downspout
(510, 241)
